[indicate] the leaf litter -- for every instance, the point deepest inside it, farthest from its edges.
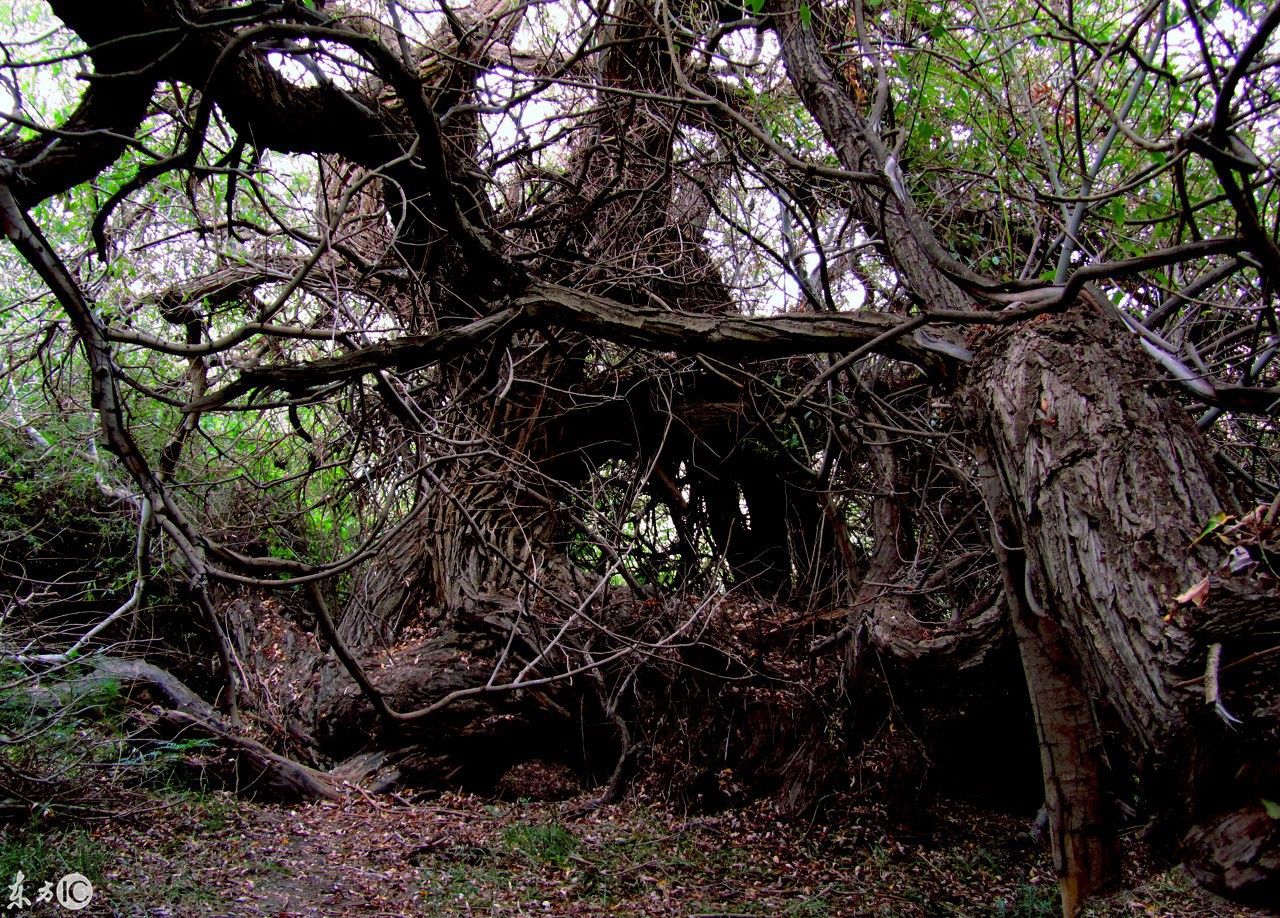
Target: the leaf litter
(455, 854)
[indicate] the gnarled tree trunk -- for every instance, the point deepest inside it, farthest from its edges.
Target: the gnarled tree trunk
(1101, 488)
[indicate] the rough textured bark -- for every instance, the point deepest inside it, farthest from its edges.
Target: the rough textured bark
(1070, 745)
(1077, 440)
(1106, 484)
(1072, 762)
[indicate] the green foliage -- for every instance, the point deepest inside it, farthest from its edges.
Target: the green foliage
(65, 542)
(459, 888)
(163, 765)
(1016, 109)
(807, 907)
(42, 854)
(53, 706)
(1032, 901)
(548, 843)
(54, 487)
(67, 730)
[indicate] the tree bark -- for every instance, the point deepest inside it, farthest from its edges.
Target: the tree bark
(256, 770)
(1103, 482)
(1081, 816)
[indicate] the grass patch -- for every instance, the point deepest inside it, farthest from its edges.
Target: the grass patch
(1032, 902)
(178, 894)
(45, 855)
(809, 907)
(543, 843)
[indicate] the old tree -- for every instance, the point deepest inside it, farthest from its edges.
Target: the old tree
(666, 386)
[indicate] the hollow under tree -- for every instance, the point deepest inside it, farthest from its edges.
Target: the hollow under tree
(525, 320)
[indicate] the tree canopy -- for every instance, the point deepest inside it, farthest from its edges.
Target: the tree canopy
(941, 327)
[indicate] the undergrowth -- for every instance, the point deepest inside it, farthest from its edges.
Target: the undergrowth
(69, 749)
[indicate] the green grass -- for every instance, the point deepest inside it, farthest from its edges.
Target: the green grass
(546, 843)
(808, 907)
(42, 855)
(215, 810)
(1033, 902)
(178, 894)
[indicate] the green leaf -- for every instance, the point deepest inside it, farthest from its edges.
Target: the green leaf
(1115, 209)
(1216, 522)
(1272, 808)
(756, 6)
(806, 15)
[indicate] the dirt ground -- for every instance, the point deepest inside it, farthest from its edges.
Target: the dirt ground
(214, 855)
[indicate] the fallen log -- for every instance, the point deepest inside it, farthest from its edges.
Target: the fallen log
(255, 769)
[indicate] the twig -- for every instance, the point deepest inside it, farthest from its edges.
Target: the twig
(1211, 685)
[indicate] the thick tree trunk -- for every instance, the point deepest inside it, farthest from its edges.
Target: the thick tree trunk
(1105, 484)
(1082, 828)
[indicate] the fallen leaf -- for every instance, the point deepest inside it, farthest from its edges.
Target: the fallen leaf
(1196, 594)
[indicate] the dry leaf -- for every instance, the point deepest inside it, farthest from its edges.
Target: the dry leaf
(1196, 594)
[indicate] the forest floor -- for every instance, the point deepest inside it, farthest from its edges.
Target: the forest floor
(214, 855)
